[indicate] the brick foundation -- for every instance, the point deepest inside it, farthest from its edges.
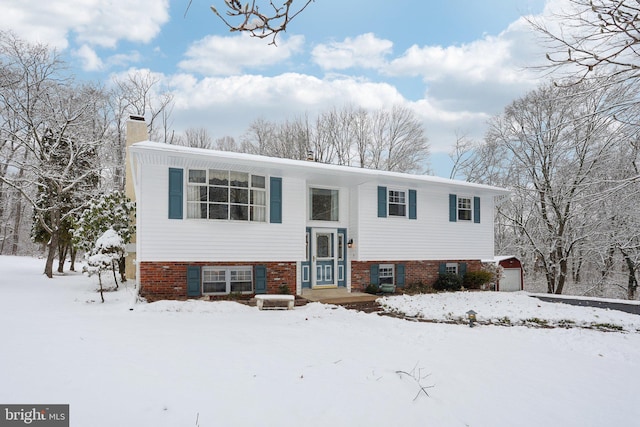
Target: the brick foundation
(168, 280)
(415, 271)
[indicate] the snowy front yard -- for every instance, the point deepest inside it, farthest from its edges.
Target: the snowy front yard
(224, 364)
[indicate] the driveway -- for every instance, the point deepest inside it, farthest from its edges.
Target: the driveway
(620, 306)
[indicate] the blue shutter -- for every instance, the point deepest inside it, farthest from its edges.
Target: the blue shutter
(453, 207)
(400, 275)
(442, 268)
(462, 269)
(275, 200)
(476, 210)
(193, 281)
(382, 202)
(373, 276)
(260, 272)
(412, 205)
(175, 193)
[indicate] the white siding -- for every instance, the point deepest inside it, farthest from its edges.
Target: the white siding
(429, 237)
(163, 239)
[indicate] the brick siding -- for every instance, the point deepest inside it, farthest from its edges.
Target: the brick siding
(415, 271)
(168, 280)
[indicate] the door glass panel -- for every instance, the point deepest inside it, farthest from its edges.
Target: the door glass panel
(323, 246)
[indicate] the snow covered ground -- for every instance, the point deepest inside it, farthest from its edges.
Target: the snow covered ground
(202, 364)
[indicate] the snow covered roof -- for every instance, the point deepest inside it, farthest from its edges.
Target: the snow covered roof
(496, 259)
(354, 175)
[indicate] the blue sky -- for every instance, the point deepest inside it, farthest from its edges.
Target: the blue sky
(456, 63)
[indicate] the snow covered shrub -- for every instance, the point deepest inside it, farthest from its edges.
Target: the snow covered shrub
(448, 282)
(475, 279)
(113, 211)
(108, 249)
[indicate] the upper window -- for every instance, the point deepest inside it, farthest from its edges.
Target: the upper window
(323, 204)
(397, 203)
(226, 195)
(464, 209)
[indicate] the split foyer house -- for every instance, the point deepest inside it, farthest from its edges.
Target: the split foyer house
(212, 223)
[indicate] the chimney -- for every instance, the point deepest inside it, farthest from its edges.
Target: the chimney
(136, 132)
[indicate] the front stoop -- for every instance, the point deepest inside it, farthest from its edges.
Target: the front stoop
(336, 296)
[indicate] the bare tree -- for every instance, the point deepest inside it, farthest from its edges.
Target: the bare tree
(595, 35)
(198, 138)
(399, 142)
(55, 127)
(550, 147)
(141, 93)
(226, 143)
(250, 18)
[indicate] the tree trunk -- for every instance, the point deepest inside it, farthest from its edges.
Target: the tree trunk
(52, 246)
(17, 220)
(122, 269)
(632, 286)
(72, 259)
(62, 256)
(113, 269)
(101, 289)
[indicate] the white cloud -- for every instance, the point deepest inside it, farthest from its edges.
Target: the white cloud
(91, 22)
(89, 59)
(217, 55)
(365, 51)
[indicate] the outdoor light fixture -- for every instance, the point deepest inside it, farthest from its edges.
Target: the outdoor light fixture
(350, 243)
(471, 315)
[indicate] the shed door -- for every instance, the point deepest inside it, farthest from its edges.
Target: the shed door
(510, 280)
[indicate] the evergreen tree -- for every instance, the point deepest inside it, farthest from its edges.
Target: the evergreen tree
(109, 211)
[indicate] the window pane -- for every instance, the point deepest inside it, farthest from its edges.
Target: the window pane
(210, 287)
(324, 204)
(198, 176)
(241, 287)
(196, 193)
(218, 194)
(258, 197)
(239, 212)
(239, 195)
(323, 245)
(257, 181)
(397, 210)
(258, 213)
(218, 211)
(196, 210)
(239, 179)
(217, 177)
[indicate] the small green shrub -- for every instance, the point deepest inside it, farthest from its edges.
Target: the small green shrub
(448, 282)
(418, 288)
(283, 290)
(475, 279)
(372, 289)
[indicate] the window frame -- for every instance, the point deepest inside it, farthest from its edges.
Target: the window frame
(464, 209)
(404, 203)
(248, 202)
(451, 268)
(227, 269)
(383, 275)
(333, 209)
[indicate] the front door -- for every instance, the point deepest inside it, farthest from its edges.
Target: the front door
(323, 257)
